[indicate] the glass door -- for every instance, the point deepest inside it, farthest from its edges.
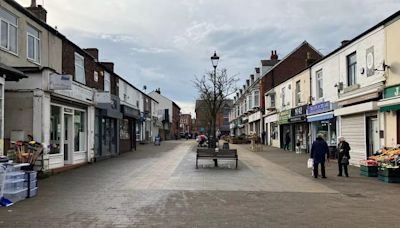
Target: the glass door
(68, 138)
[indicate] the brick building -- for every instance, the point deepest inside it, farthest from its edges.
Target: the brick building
(222, 123)
(186, 123)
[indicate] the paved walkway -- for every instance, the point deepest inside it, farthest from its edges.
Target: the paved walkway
(160, 187)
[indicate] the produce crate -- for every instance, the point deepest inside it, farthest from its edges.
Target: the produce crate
(369, 174)
(387, 179)
(369, 169)
(388, 172)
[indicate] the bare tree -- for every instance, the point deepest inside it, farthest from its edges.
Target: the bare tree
(214, 88)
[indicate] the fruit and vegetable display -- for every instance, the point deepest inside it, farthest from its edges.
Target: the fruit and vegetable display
(386, 155)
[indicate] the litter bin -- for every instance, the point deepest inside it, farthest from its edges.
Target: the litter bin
(157, 141)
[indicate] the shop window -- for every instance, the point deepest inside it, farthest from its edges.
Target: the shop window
(55, 129)
(79, 131)
(274, 131)
(124, 129)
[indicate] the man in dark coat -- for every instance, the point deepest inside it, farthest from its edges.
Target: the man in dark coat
(344, 156)
(319, 151)
(287, 141)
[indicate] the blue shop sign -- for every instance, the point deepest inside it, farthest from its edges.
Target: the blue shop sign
(319, 108)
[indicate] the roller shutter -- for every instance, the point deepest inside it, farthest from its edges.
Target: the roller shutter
(353, 130)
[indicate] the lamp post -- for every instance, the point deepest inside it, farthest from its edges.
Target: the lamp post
(214, 61)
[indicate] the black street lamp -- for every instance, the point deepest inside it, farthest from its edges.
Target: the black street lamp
(214, 61)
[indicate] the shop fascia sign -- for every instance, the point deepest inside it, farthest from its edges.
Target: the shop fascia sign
(393, 91)
(298, 114)
(78, 92)
(319, 108)
(284, 117)
(60, 81)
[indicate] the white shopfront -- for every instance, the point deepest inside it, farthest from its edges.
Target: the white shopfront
(272, 130)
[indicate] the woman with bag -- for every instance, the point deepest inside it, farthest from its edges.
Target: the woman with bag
(344, 156)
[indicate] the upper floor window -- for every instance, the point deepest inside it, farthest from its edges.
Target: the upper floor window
(250, 101)
(256, 98)
(351, 69)
(33, 44)
(107, 82)
(80, 68)
(8, 31)
(283, 97)
(298, 93)
(272, 99)
(320, 85)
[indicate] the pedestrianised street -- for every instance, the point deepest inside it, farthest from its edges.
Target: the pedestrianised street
(159, 186)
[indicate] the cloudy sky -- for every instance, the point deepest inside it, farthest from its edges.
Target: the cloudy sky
(165, 44)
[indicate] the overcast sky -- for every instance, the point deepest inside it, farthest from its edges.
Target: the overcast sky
(165, 44)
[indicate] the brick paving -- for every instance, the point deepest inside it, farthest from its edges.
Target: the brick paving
(160, 187)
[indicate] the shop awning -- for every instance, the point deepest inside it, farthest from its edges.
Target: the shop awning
(11, 74)
(390, 108)
(325, 116)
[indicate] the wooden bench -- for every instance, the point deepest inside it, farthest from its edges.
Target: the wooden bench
(224, 154)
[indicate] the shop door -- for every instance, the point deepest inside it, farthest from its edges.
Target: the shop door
(97, 146)
(373, 135)
(106, 136)
(113, 136)
(68, 139)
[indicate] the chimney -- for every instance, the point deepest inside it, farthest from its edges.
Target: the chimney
(257, 69)
(158, 91)
(94, 52)
(252, 78)
(108, 65)
(237, 95)
(244, 87)
(274, 56)
(309, 60)
(344, 42)
(38, 11)
(241, 91)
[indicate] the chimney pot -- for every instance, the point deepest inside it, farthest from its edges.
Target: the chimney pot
(108, 65)
(33, 3)
(38, 11)
(257, 70)
(344, 42)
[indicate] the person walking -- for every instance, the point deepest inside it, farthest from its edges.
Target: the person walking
(319, 151)
(344, 156)
(263, 137)
(287, 141)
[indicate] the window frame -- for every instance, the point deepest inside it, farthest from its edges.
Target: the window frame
(107, 81)
(319, 84)
(283, 96)
(9, 23)
(298, 92)
(77, 55)
(351, 80)
(36, 45)
(256, 98)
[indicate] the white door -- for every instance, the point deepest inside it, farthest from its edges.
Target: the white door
(68, 139)
(373, 135)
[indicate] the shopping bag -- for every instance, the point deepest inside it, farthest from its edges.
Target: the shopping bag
(310, 163)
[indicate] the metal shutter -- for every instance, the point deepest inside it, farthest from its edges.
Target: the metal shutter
(353, 130)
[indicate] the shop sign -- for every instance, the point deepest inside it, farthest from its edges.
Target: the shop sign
(284, 117)
(393, 91)
(319, 108)
(131, 112)
(77, 92)
(60, 82)
(298, 114)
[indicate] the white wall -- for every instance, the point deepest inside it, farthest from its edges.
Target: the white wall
(130, 96)
(334, 68)
(163, 103)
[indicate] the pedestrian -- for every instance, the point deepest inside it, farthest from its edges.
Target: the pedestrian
(263, 137)
(344, 156)
(287, 141)
(319, 151)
